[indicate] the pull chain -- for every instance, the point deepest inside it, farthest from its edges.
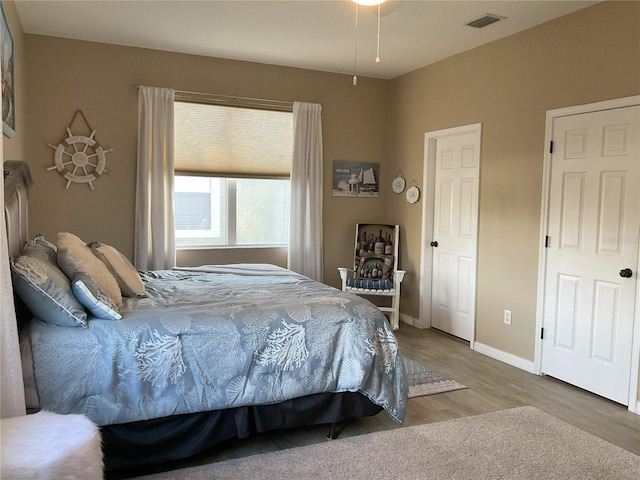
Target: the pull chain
(355, 52)
(378, 48)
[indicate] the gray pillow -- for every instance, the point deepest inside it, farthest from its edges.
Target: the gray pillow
(42, 249)
(46, 291)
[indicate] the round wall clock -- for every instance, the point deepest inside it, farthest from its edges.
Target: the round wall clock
(413, 194)
(398, 184)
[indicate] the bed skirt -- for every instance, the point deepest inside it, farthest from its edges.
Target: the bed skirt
(153, 442)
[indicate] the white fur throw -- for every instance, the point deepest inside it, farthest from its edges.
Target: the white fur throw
(48, 446)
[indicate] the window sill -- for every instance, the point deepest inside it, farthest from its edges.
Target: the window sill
(230, 247)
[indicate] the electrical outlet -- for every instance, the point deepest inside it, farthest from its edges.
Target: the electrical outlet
(507, 317)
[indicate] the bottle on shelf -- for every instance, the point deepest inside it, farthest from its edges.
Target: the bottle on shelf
(388, 246)
(378, 247)
(372, 244)
(363, 244)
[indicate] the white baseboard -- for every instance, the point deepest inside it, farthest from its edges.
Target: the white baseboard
(505, 357)
(508, 358)
(414, 322)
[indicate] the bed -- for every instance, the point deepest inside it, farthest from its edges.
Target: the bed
(190, 357)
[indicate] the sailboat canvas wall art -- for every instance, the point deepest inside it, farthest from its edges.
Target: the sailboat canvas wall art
(8, 96)
(356, 179)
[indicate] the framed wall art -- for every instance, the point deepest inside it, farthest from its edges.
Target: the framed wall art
(8, 95)
(356, 179)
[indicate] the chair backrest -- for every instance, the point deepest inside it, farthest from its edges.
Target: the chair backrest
(375, 255)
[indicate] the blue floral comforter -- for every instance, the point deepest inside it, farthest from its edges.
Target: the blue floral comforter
(216, 338)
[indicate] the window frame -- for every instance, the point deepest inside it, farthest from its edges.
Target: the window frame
(231, 226)
(213, 203)
(232, 179)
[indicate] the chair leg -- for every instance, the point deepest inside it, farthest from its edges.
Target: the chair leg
(395, 314)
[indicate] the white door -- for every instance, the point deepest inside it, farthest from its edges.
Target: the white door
(594, 215)
(455, 219)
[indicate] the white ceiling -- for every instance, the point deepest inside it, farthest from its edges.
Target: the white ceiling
(318, 35)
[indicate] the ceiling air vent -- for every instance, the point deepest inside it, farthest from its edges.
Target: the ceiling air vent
(482, 22)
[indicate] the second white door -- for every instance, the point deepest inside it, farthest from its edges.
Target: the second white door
(454, 244)
(592, 256)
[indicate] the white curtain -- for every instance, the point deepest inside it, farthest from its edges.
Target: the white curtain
(155, 235)
(305, 237)
(11, 384)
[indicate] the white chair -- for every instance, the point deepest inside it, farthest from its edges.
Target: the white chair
(375, 267)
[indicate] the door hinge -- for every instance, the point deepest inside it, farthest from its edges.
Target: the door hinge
(551, 146)
(547, 241)
(542, 333)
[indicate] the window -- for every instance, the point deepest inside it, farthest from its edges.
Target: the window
(232, 183)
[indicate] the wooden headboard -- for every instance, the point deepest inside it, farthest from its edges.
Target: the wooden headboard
(17, 181)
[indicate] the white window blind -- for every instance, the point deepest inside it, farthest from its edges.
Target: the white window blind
(228, 141)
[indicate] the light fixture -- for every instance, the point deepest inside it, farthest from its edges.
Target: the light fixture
(368, 3)
(365, 3)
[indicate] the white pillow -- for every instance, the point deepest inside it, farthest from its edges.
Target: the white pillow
(75, 256)
(126, 275)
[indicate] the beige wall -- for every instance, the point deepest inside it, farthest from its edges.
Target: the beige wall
(66, 75)
(508, 85)
(13, 148)
(193, 258)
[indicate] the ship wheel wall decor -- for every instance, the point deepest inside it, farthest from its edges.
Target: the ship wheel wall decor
(78, 158)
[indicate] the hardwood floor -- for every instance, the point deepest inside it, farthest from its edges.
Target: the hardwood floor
(492, 386)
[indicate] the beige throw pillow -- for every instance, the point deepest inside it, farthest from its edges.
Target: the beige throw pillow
(128, 278)
(75, 256)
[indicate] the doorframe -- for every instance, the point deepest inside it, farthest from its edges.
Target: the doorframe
(426, 257)
(634, 403)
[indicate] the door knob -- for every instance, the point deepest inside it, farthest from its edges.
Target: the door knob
(626, 273)
(434, 244)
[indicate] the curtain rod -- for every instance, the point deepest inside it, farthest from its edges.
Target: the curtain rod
(231, 99)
